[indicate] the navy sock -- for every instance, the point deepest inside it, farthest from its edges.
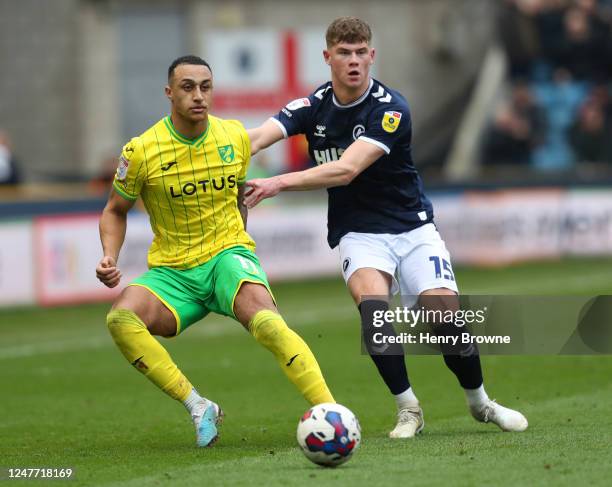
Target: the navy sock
(463, 362)
(388, 358)
(462, 359)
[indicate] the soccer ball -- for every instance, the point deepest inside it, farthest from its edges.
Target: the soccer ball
(329, 434)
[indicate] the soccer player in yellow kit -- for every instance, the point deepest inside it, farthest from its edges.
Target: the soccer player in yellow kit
(189, 170)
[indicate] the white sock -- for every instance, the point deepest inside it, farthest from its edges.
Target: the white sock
(476, 397)
(406, 399)
(194, 402)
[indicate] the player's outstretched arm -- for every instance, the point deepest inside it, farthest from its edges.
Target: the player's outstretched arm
(264, 136)
(355, 159)
(113, 224)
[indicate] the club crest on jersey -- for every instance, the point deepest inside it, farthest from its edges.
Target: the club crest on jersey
(358, 131)
(299, 103)
(227, 153)
(391, 121)
(122, 169)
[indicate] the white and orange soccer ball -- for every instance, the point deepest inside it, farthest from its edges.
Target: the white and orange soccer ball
(328, 434)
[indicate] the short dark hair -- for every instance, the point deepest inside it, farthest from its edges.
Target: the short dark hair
(348, 29)
(190, 59)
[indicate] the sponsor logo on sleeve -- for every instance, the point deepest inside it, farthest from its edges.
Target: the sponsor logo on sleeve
(391, 121)
(122, 169)
(299, 103)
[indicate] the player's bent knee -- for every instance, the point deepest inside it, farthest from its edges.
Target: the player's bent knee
(119, 318)
(439, 291)
(113, 319)
(266, 326)
(256, 293)
(440, 299)
(251, 299)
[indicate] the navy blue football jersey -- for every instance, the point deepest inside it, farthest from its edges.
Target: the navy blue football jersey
(388, 196)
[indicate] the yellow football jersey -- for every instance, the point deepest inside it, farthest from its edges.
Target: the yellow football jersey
(189, 188)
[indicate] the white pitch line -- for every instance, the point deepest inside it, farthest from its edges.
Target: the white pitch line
(210, 328)
(302, 317)
(57, 346)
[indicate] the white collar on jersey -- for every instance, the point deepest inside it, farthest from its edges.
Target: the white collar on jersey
(357, 101)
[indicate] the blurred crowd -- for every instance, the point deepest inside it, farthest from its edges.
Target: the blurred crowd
(557, 112)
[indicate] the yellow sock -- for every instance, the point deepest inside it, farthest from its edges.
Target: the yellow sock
(145, 353)
(293, 355)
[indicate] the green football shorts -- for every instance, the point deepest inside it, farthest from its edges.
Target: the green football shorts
(193, 293)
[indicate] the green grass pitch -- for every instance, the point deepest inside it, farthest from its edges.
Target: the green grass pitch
(68, 398)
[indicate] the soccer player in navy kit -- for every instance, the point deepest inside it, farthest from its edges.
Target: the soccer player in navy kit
(359, 133)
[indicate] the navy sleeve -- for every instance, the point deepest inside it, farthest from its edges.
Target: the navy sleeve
(387, 124)
(293, 118)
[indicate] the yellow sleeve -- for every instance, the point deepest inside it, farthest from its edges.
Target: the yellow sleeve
(131, 171)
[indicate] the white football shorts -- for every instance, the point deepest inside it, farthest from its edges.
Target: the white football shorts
(417, 260)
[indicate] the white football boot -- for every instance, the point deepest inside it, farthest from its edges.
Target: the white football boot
(507, 419)
(410, 422)
(206, 420)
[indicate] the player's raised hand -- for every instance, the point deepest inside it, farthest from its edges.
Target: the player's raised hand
(260, 189)
(107, 272)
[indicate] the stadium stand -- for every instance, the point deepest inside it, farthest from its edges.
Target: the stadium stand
(557, 52)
